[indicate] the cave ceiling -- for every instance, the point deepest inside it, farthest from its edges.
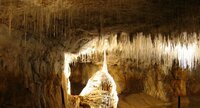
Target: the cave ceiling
(150, 16)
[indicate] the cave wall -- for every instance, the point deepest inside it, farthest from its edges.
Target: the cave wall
(133, 79)
(32, 69)
(31, 72)
(37, 33)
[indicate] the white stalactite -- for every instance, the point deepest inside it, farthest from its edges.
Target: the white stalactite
(142, 49)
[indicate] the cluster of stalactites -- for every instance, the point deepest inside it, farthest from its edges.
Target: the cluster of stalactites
(184, 48)
(147, 49)
(39, 17)
(160, 49)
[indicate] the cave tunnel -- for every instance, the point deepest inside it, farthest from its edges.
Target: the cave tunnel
(99, 53)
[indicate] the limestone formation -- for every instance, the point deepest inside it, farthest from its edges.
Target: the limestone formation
(51, 50)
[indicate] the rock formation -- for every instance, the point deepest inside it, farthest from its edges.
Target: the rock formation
(144, 37)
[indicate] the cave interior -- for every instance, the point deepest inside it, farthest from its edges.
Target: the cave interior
(99, 53)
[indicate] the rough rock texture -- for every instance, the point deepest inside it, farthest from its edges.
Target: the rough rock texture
(32, 70)
(140, 100)
(151, 80)
(179, 80)
(56, 16)
(34, 34)
(154, 83)
(192, 84)
(29, 71)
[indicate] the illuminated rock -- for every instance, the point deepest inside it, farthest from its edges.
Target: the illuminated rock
(179, 80)
(100, 91)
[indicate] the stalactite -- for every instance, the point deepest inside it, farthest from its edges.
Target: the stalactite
(147, 51)
(10, 20)
(41, 24)
(69, 22)
(54, 24)
(25, 27)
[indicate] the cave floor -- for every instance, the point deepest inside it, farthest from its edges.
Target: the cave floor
(141, 100)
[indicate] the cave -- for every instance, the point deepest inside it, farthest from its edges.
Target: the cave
(99, 54)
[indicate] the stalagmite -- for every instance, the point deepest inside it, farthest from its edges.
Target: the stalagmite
(100, 91)
(51, 50)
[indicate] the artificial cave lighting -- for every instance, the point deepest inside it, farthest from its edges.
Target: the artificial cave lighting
(101, 87)
(186, 51)
(99, 53)
(145, 49)
(101, 90)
